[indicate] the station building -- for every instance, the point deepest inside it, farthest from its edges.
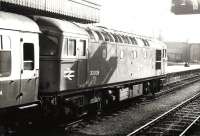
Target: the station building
(82, 11)
(181, 52)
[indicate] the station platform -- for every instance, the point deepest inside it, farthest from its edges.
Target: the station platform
(181, 68)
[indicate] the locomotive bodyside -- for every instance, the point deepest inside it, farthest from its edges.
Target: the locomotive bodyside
(111, 61)
(19, 61)
(81, 66)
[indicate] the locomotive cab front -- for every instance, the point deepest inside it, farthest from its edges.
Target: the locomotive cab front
(63, 55)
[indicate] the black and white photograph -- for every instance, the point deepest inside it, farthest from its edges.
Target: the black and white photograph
(99, 67)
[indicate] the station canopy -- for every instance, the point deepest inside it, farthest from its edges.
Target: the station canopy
(181, 7)
(83, 11)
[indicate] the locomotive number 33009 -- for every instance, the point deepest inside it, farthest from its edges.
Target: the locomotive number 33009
(94, 73)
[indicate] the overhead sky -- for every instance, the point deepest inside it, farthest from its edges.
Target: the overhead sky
(150, 18)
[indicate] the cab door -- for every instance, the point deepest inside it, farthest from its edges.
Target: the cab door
(29, 68)
(82, 62)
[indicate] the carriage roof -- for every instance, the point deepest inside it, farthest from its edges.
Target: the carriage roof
(17, 22)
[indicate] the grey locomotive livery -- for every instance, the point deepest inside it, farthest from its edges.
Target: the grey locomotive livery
(79, 67)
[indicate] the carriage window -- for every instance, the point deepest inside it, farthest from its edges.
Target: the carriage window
(5, 63)
(72, 47)
(5, 56)
(82, 48)
(28, 56)
(6, 42)
(48, 45)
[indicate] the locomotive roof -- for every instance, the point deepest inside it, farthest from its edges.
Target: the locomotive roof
(96, 32)
(60, 25)
(17, 22)
(111, 35)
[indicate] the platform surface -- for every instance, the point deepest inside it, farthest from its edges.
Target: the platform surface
(179, 68)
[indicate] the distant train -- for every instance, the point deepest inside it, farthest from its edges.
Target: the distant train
(69, 68)
(185, 7)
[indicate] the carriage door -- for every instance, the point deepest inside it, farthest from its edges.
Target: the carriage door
(28, 69)
(82, 62)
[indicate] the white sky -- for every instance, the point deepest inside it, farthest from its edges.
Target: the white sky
(150, 17)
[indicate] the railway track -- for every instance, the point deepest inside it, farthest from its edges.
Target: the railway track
(175, 122)
(176, 85)
(80, 123)
(87, 121)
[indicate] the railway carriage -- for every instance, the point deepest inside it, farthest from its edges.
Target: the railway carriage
(84, 66)
(19, 61)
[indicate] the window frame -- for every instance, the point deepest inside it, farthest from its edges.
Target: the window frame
(7, 74)
(56, 48)
(33, 58)
(158, 59)
(84, 49)
(66, 54)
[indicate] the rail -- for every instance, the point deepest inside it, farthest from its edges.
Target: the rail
(148, 128)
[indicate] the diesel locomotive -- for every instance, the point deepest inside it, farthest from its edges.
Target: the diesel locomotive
(69, 68)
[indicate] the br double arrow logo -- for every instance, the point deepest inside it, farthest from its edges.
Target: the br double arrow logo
(69, 74)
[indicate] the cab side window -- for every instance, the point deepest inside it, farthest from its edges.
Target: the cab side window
(82, 48)
(48, 45)
(5, 56)
(69, 47)
(28, 56)
(158, 59)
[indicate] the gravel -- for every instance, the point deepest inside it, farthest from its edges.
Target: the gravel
(128, 120)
